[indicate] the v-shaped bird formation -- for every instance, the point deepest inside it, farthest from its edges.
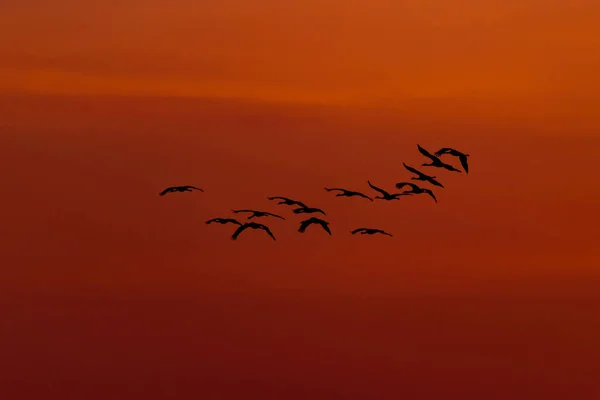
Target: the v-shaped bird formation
(318, 223)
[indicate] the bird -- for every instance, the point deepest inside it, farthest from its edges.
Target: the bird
(173, 189)
(461, 156)
(252, 225)
(422, 177)
(369, 231)
(304, 224)
(308, 210)
(348, 193)
(287, 201)
(385, 195)
(258, 214)
(223, 221)
(415, 189)
(435, 161)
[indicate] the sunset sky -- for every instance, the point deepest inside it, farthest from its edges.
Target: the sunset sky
(109, 291)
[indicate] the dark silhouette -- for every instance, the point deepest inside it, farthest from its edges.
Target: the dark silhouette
(287, 201)
(348, 193)
(385, 195)
(258, 214)
(308, 210)
(415, 189)
(422, 177)
(369, 231)
(252, 225)
(435, 161)
(461, 156)
(173, 189)
(305, 224)
(223, 221)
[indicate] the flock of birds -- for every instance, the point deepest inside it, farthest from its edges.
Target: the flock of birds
(302, 208)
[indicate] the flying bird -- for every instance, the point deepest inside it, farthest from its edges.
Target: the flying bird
(223, 221)
(435, 161)
(251, 225)
(422, 177)
(308, 210)
(385, 195)
(369, 231)
(258, 214)
(305, 224)
(348, 193)
(287, 201)
(415, 189)
(173, 189)
(461, 156)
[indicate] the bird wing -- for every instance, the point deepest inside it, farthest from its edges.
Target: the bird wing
(241, 211)
(383, 192)
(194, 187)
(464, 162)
(266, 229)
(304, 224)
(430, 192)
(359, 194)
(167, 190)
(413, 170)
(443, 150)
(426, 153)
(274, 215)
(357, 230)
(434, 182)
(413, 186)
(210, 221)
(239, 230)
(324, 224)
(450, 167)
(330, 189)
(229, 221)
(276, 198)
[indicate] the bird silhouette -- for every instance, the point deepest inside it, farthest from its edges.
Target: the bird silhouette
(306, 223)
(251, 225)
(415, 189)
(173, 189)
(461, 156)
(258, 214)
(435, 161)
(308, 210)
(287, 201)
(223, 221)
(369, 231)
(422, 177)
(347, 193)
(385, 195)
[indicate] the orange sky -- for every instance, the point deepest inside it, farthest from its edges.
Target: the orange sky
(110, 291)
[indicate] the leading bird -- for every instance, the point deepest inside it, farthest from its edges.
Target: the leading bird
(435, 161)
(463, 157)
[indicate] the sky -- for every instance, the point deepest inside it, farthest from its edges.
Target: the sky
(111, 291)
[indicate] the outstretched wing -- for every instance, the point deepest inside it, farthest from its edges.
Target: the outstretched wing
(167, 190)
(464, 162)
(426, 153)
(443, 150)
(385, 233)
(274, 215)
(266, 229)
(331, 189)
(354, 232)
(194, 187)
(413, 170)
(304, 224)
(433, 181)
(450, 167)
(430, 192)
(238, 231)
(325, 225)
(359, 194)
(278, 198)
(242, 211)
(383, 192)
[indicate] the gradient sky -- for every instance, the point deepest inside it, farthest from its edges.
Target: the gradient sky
(110, 291)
